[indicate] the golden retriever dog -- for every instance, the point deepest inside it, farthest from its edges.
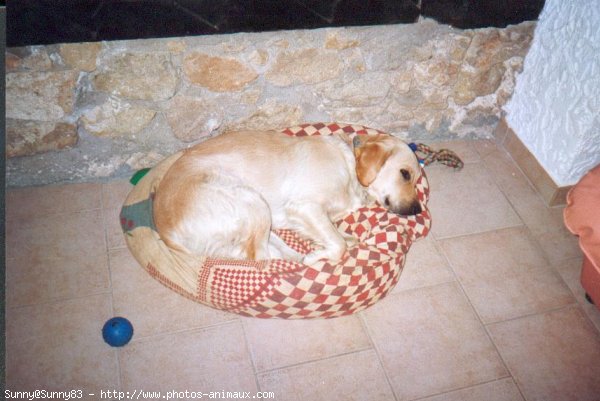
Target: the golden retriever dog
(223, 197)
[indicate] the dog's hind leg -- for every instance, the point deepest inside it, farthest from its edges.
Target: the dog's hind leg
(254, 219)
(311, 221)
(280, 250)
(222, 218)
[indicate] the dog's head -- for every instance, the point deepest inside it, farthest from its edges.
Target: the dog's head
(389, 169)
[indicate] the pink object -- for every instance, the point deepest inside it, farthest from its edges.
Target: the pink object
(582, 218)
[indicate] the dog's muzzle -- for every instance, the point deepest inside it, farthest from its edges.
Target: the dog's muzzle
(411, 209)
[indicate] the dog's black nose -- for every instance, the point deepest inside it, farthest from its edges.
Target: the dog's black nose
(412, 209)
(415, 208)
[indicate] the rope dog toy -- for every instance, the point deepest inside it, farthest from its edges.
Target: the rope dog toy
(427, 155)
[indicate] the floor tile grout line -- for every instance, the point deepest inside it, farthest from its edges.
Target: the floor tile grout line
(508, 369)
(103, 196)
(112, 297)
(478, 317)
(543, 253)
(510, 375)
(485, 327)
(250, 354)
(481, 231)
(583, 303)
(502, 148)
(365, 326)
(541, 312)
(551, 267)
(529, 229)
(573, 305)
(101, 206)
(419, 287)
(524, 224)
(589, 321)
(483, 383)
(547, 265)
(503, 228)
(569, 259)
(501, 189)
(422, 287)
(117, 353)
(530, 232)
(523, 176)
(29, 220)
(153, 336)
(118, 247)
(312, 361)
(497, 187)
(51, 301)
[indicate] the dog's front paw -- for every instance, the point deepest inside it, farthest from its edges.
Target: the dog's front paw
(351, 241)
(315, 256)
(295, 257)
(311, 258)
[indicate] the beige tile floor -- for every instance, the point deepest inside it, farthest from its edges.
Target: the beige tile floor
(489, 307)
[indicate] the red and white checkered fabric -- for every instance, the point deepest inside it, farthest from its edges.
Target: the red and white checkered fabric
(290, 290)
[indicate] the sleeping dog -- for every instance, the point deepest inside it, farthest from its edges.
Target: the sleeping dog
(223, 197)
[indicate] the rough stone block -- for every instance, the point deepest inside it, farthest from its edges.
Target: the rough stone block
(43, 96)
(80, 56)
(308, 66)
(336, 40)
(176, 46)
(365, 90)
(216, 73)
(12, 62)
(271, 115)
(144, 160)
(26, 138)
(116, 118)
(191, 119)
(483, 67)
(30, 58)
(144, 76)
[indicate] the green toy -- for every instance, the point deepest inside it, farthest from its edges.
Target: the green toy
(138, 175)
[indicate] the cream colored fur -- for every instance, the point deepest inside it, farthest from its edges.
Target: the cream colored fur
(223, 196)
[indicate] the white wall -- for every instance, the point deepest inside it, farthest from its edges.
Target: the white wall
(555, 108)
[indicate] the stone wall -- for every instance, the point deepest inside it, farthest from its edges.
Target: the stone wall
(88, 111)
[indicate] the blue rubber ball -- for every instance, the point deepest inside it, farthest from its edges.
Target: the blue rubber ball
(117, 331)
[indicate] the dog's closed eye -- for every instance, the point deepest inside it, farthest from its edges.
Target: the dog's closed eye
(405, 174)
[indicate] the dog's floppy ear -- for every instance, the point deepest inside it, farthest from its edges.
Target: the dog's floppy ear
(370, 153)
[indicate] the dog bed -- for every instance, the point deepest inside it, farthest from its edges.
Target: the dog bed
(280, 288)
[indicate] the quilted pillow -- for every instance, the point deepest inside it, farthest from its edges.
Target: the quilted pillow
(281, 288)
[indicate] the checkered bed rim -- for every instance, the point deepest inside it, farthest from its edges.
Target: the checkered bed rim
(290, 290)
